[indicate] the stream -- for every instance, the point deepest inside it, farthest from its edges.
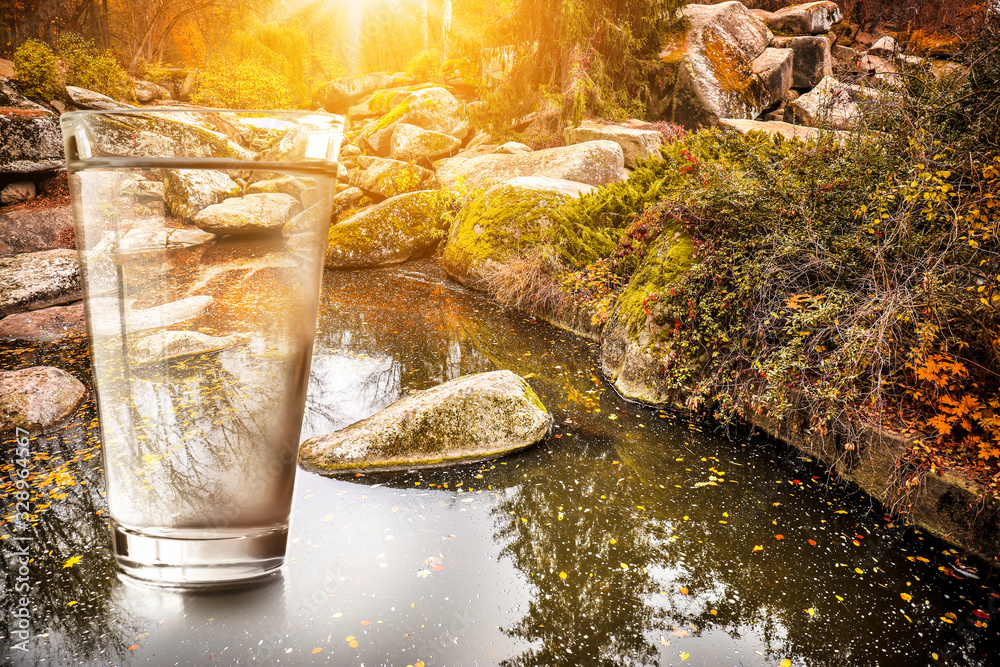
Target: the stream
(628, 536)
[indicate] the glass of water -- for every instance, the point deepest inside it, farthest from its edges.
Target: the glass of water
(201, 235)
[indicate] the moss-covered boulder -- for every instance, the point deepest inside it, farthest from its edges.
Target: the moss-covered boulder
(405, 227)
(388, 178)
(188, 191)
(433, 109)
(707, 67)
(38, 397)
(473, 418)
(635, 345)
(590, 162)
(502, 224)
(411, 143)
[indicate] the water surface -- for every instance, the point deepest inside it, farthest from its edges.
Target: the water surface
(627, 537)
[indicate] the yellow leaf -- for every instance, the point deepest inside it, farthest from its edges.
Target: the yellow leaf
(758, 548)
(563, 575)
(71, 562)
(906, 596)
(317, 650)
(685, 656)
(859, 570)
(786, 663)
(811, 611)
(947, 620)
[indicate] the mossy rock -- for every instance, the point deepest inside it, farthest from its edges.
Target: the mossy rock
(405, 227)
(473, 418)
(629, 355)
(503, 223)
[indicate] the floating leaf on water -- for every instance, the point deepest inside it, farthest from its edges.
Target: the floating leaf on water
(685, 656)
(758, 548)
(317, 650)
(71, 562)
(563, 575)
(906, 596)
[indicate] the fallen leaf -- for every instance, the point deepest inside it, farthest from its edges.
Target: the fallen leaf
(906, 596)
(859, 570)
(979, 613)
(563, 575)
(684, 590)
(71, 562)
(679, 632)
(758, 548)
(317, 650)
(812, 542)
(779, 537)
(786, 663)
(810, 611)
(685, 656)
(133, 647)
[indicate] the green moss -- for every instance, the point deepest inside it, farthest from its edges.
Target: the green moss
(668, 261)
(502, 223)
(738, 82)
(421, 215)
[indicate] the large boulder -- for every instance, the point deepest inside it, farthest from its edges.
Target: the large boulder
(707, 67)
(81, 98)
(38, 397)
(30, 230)
(411, 143)
(831, 104)
(48, 325)
(592, 162)
(813, 59)
(491, 230)
(303, 189)
(188, 191)
(262, 213)
(433, 109)
(630, 357)
(405, 227)
(811, 18)
(473, 418)
(153, 134)
(774, 67)
(388, 178)
(636, 144)
(30, 137)
(338, 95)
(38, 280)
(147, 91)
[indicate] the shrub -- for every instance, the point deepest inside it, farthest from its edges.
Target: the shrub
(425, 66)
(87, 67)
(243, 84)
(36, 69)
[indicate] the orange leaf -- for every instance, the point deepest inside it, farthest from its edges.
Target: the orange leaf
(779, 537)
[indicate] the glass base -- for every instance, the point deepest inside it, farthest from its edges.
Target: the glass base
(200, 559)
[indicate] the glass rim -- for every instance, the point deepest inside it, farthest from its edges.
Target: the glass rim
(311, 166)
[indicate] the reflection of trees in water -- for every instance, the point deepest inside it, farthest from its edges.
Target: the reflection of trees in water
(203, 442)
(556, 521)
(68, 603)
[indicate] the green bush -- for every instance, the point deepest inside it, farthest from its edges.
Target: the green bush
(87, 67)
(36, 69)
(243, 84)
(425, 66)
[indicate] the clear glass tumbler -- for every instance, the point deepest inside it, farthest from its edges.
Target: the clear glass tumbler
(201, 236)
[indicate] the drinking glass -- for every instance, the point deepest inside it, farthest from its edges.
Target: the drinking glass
(200, 235)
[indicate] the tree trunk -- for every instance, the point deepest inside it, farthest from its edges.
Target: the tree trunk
(425, 28)
(445, 28)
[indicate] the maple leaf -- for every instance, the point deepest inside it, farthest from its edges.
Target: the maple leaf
(72, 561)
